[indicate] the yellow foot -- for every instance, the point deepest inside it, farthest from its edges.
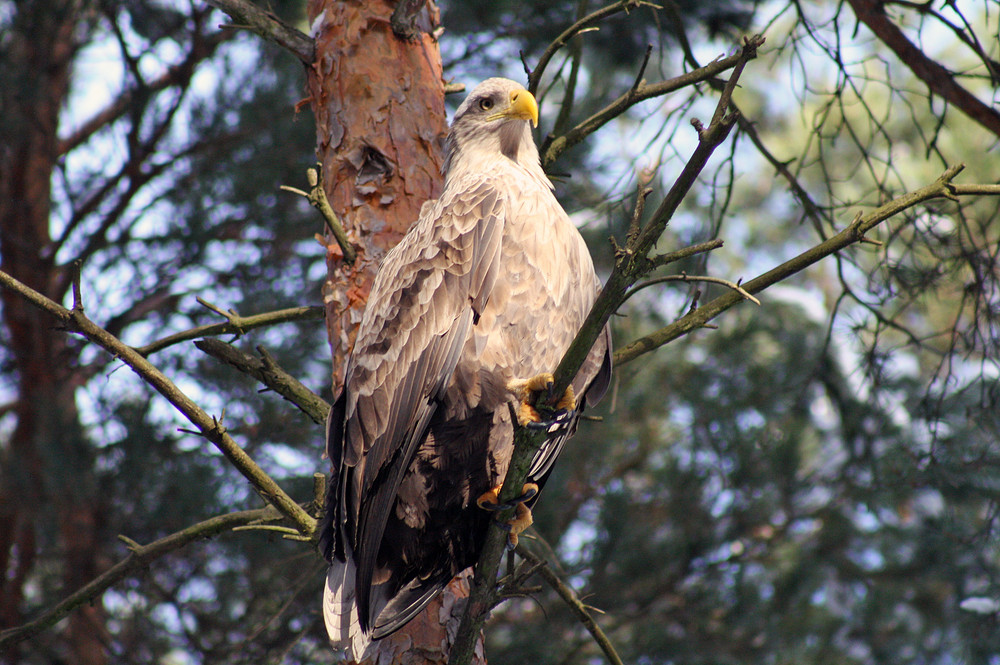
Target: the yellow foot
(490, 500)
(527, 392)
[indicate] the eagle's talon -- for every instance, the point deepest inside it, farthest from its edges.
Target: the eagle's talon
(528, 391)
(528, 492)
(489, 500)
(558, 422)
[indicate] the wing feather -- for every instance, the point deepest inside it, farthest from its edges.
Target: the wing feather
(423, 304)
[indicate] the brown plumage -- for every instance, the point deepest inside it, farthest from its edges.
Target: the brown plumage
(489, 286)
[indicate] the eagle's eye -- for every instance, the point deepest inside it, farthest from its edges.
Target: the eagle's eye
(486, 103)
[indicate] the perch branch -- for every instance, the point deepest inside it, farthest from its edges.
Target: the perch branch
(629, 265)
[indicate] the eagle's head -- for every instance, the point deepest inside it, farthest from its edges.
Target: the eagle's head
(493, 121)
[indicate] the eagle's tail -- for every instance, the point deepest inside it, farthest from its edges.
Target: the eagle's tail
(340, 610)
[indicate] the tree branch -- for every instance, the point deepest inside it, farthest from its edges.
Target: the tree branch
(854, 233)
(574, 603)
(268, 372)
(937, 78)
(249, 16)
(630, 98)
(317, 199)
(179, 74)
(686, 252)
(211, 428)
(140, 556)
(235, 325)
(535, 76)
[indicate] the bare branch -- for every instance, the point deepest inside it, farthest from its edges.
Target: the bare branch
(234, 325)
(140, 557)
(75, 321)
(251, 17)
(317, 199)
(574, 603)
(937, 78)
(268, 372)
(179, 74)
(854, 233)
(535, 76)
(629, 99)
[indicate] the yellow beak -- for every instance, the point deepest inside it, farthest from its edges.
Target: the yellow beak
(522, 105)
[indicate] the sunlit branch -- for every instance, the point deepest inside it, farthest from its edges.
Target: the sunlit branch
(686, 252)
(317, 199)
(684, 277)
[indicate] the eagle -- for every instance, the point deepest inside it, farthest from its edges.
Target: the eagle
(466, 317)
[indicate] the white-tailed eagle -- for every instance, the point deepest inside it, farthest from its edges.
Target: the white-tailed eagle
(484, 293)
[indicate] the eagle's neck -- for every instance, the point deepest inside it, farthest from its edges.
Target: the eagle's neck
(472, 153)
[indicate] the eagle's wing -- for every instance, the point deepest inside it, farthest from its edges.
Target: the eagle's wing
(427, 296)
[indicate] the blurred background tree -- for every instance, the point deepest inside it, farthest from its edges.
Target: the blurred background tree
(815, 481)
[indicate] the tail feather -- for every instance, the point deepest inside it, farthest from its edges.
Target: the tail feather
(340, 611)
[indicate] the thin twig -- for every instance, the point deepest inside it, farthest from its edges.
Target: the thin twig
(535, 75)
(574, 603)
(317, 198)
(684, 277)
(234, 325)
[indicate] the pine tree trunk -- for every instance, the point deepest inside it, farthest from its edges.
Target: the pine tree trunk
(381, 125)
(46, 458)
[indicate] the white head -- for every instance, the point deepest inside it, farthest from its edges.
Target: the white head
(493, 121)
